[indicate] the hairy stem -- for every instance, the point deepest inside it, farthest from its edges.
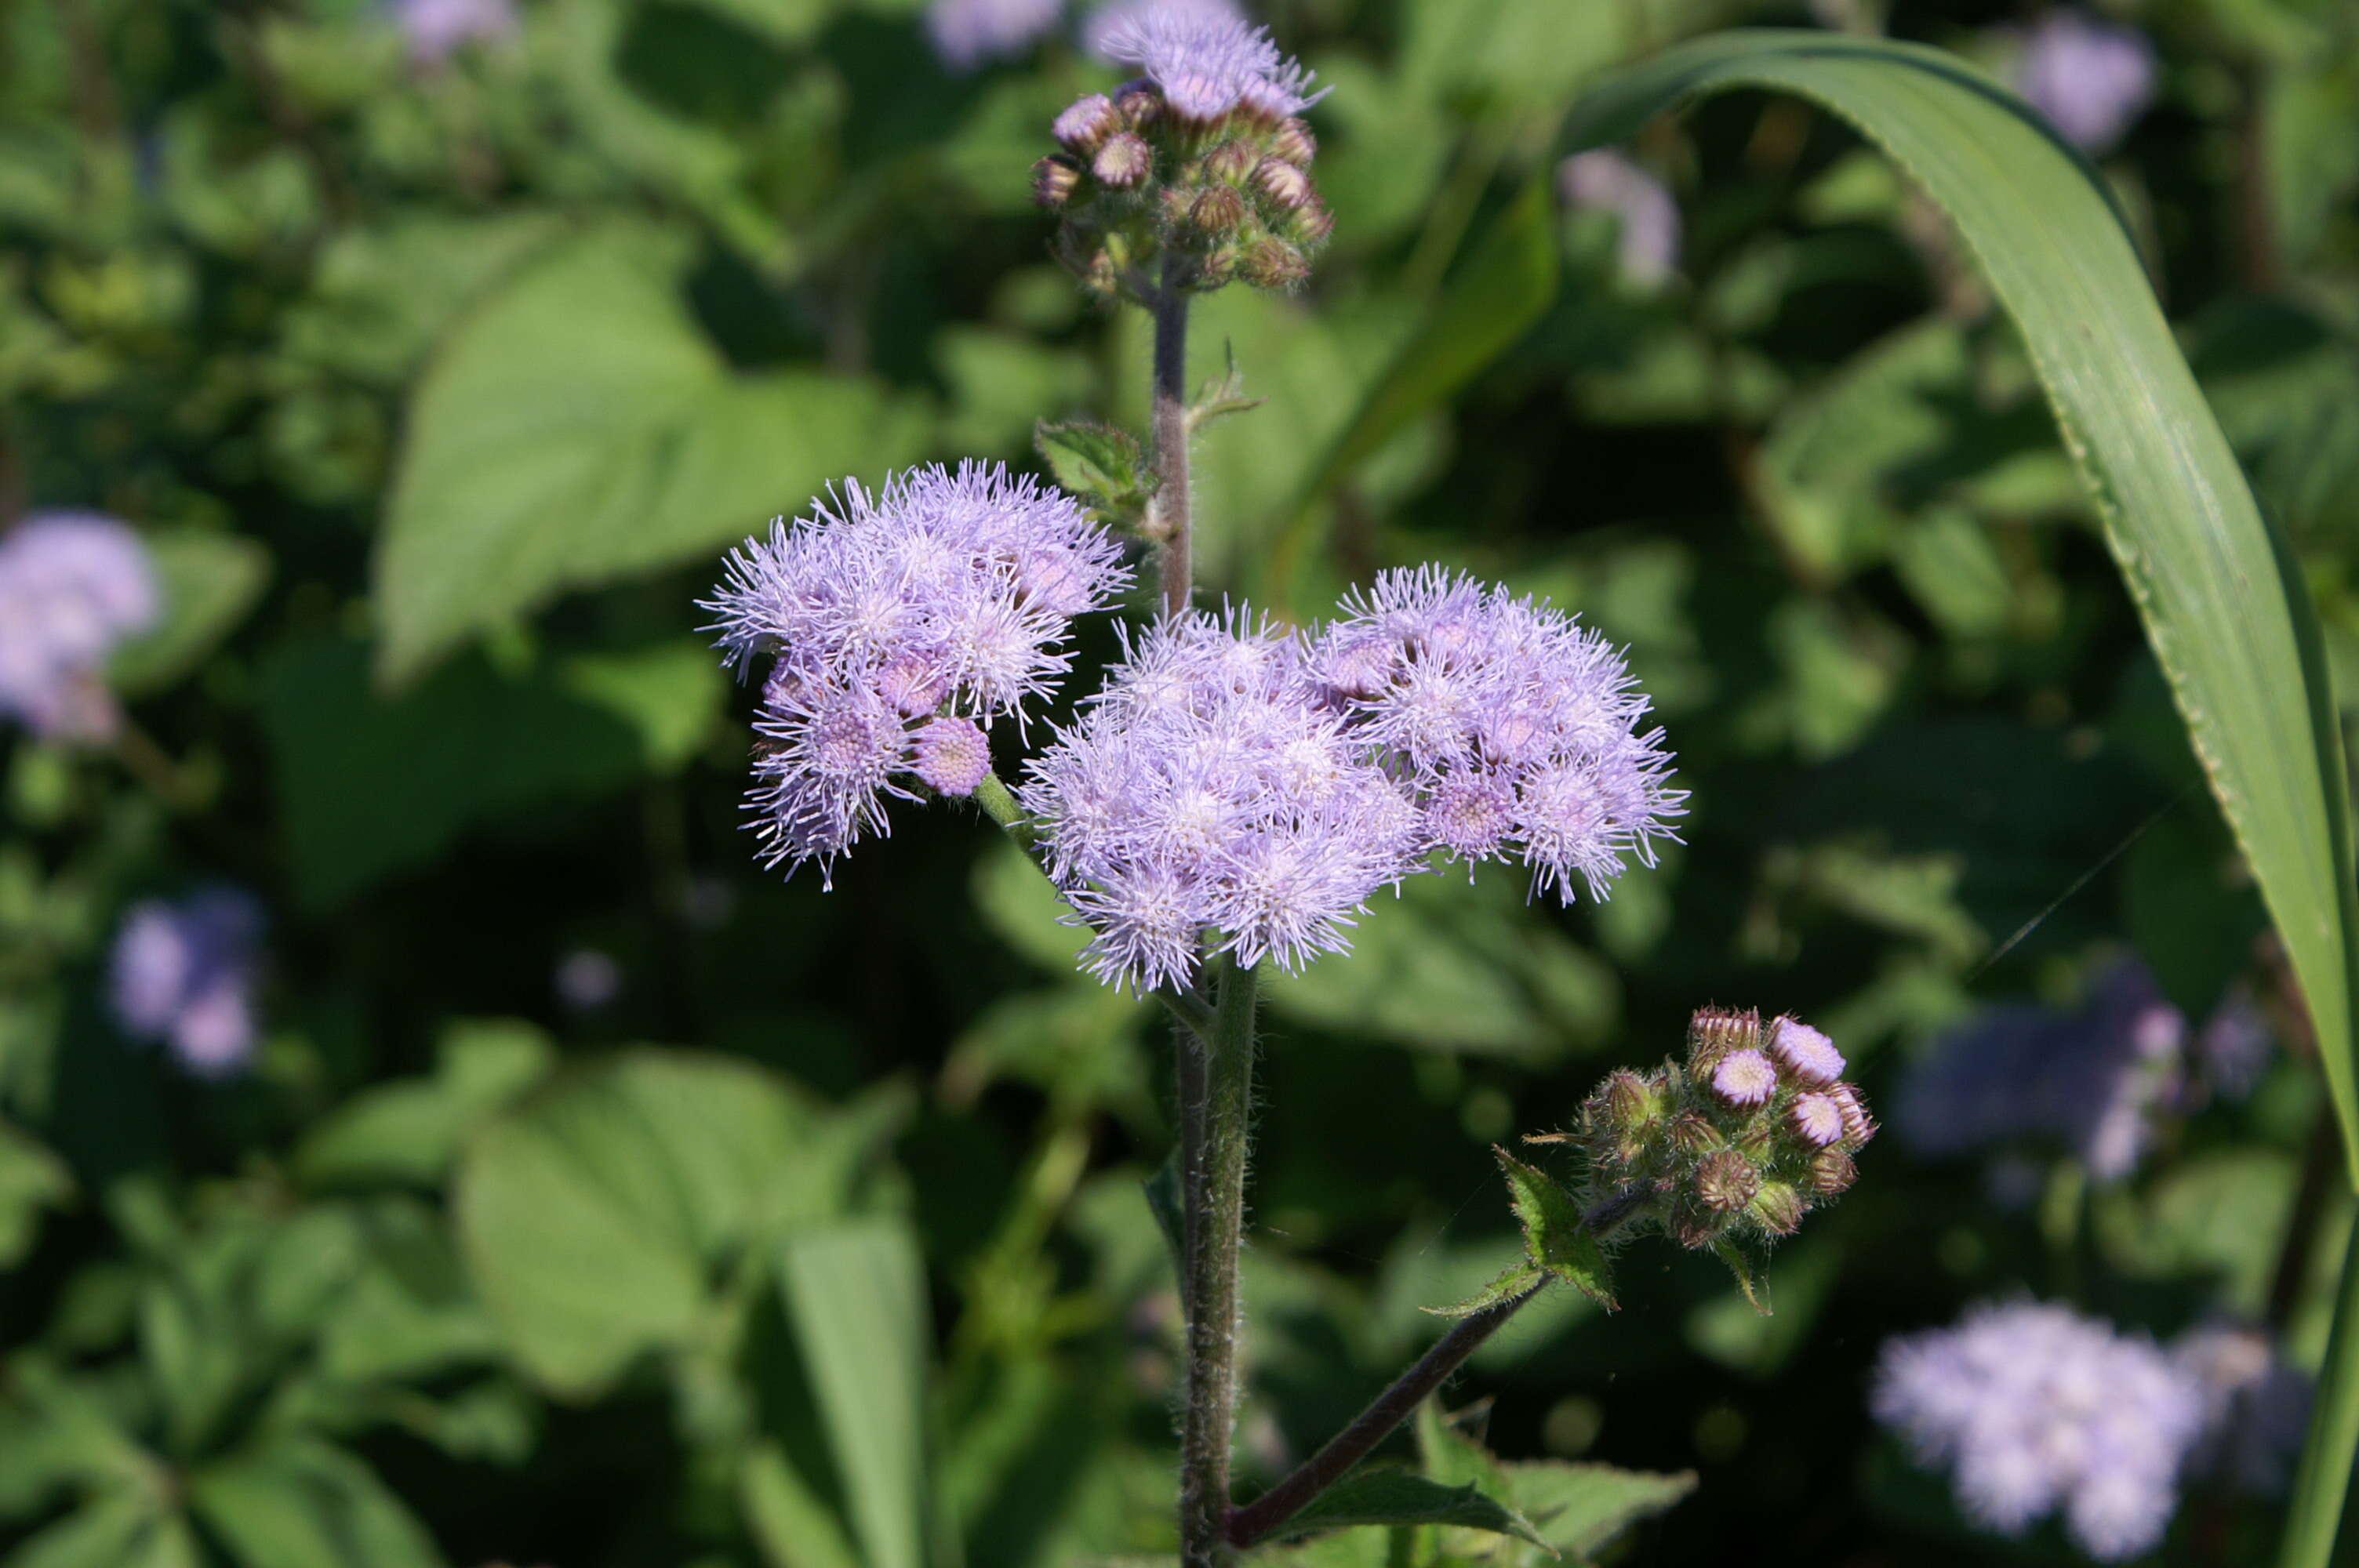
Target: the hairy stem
(1213, 1199)
(1174, 563)
(1399, 1401)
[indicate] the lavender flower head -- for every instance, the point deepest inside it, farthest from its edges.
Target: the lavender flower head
(183, 973)
(2089, 78)
(436, 30)
(2095, 1080)
(1207, 64)
(1108, 20)
(72, 585)
(1608, 182)
(1516, 727)
(1208, 788)
(2036, 1410)
(902, 623)
(966, 33)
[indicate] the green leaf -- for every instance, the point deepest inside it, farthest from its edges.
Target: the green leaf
(1395, 1496)
(1751, 1272)
(1556, 1237)
(31, 1179)
(593, 1214)
(542, 456)
(409, 1131)
(790, 1523)
(1514, 1283)
(117, 1529)
(855, 1294)
(1099, 464)
(1506, 283)
(208, 581)
(1580, 1509)
(299, 1503)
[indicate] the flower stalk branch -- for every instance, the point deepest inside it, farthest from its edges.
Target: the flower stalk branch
(1213, 1174)
(1170, 523)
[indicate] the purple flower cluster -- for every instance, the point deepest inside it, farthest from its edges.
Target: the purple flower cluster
(966, 33)
(1208, 787)
(437, 28)
(1515, 726)
(2035, 1409)
(2256, 1413)
(183, 973)
(903, 622)
(1608, 182)
(72, 585)
(2096, 1079)
(2089, 78)
(1206, 63)
(1108, 20)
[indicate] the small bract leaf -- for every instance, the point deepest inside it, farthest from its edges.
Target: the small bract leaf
(1097, 462)
(1402, 1497)
(1556, 1237)
(1751, 1274)
(1511, 1284)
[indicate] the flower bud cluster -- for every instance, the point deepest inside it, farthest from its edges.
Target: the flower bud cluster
(1198, 170)
(1751, 1131)
(902, 623)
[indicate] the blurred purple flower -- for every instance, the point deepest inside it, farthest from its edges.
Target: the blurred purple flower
(2257, 1406)
(72, 585)
(1606, 181)
(2089, 78)
(2035, 1409)
(1208, 786)
(945, 594)
(588, 979)
(436, 30)
(1516, 726)
(967, 33)
(1106, 21)
(1207, 64)
(183, 973)
(2235, 1046)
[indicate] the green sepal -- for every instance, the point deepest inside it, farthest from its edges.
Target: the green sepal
(1556, 1237)
(1752, 1273)
(1387, 1495)
(1099, 464)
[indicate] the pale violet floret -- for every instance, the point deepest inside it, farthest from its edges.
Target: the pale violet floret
(966, 33)
(900, 623)
(1208, 798)
(435, 29)
(1606, 181)
(2036, 1410)
(1104, 23)
(74, 585)
(2091, 78)
(183, 973)
(1208, 65)
(1517, 729)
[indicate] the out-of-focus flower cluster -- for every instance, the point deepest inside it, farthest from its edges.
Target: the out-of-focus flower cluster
(1194, 173)
(183, 973)
(1209, 787)
(73, 586)
(1738, 1142)
(436, 30)
(2091, 78)
(1606, 181)
(1515, 727)
(901, 623)
(2097, 1080)
(966, 33)
(2035, 1409)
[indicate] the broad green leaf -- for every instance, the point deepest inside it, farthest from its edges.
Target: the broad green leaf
(409, 1131)
(855, 1294)
(1394, 1497)
(1556, 1237)
(115, 1530)
(299, 1503)
(31, 1179)
(593, 1215)
(207, 581)
(542, 457)
(1097, 462)
(1580, 1509)
(789, 1522)
(2223, 604)
(371, 784)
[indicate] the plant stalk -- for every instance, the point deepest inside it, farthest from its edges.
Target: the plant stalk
(1174, 561)
(1213, 1199)
(2324, 1478)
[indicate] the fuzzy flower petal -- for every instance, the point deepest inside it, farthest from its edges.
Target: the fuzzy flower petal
(1207, 64)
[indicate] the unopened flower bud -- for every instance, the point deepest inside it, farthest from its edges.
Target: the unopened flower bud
(1294, 143)
(1694, 1226)
(1715, 1032)
(1831, 1170)
(1858, 1126)
(1138, 104)
(1778, 1207)
(1123, 161)
(953, 755)
(1283, 183)
(1310, 224)
(1273, 263)
(1695, 1134)
(1086, 123)
(1817, 1119)
(1805, 1053)
(1054, 180)
(1726, 1181)
(1628, 1100)
(1216, 212)
(1743, 1079)
(1229, 162)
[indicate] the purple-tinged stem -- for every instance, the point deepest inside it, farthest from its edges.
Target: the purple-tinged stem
(1213, 1202)
(1174, 562)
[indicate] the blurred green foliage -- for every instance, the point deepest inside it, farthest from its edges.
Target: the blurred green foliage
(438, 390)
